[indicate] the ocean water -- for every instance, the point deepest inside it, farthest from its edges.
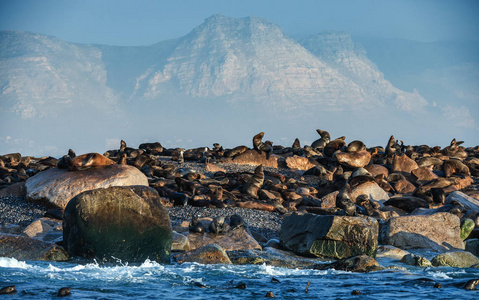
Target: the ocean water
(150, 280)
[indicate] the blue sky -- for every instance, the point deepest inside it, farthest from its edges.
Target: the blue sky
(146, 22)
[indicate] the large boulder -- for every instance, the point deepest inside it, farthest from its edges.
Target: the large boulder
(469, 203)
(26, 248)
(372, 190)
(402, 163)
(438, 232)
(128, 223)
(456, 259)
(58, 186)
(357, 159)
(329, 236)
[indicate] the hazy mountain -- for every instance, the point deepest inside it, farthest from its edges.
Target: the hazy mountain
(223, 82)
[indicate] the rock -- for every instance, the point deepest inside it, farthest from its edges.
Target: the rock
(26, 248)
(253, 158)
(415, 260)
(423, 174)
(438, 232)
(39, 228)
(236, 239)
(329, 236)
(456, 259)
(390, 252)
(272, 257)
(358, 159)
(402, 163)
(272, 243)
(209, 254)
(469, 203)
(58, 186)
(372, 190)
(299, 163)
(360, 264)
(15, 190)
(472, 246)
(462, 183)
(403, 186)
(128, 223)
(180, 242)
(467, 225)
(329, 201)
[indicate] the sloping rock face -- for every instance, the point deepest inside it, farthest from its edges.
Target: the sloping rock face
(438, 232)
(26, 248)
(329, 236)
(57, 187)
(128, 223)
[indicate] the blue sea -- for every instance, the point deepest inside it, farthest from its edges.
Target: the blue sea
(150, 280)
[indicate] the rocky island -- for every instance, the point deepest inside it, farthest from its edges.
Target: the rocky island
(331, 204)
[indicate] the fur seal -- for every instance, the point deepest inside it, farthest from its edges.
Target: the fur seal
(218, 225)
(343, 201)
(323, 141)
(471, 284)
(64, 291)
(355, 146)
(259, 146)
(235, 151)
(453, 150)
(255, 183)
(297, 148)
(152, 148)
(8, 290)
(89, 160)
(455, 166)
(390, 147)
(334, 146)
(196, 226)
(236, 221)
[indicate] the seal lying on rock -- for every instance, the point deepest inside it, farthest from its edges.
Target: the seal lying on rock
(89, 160)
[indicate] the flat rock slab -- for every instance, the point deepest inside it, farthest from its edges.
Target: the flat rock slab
(237, 239)
(438, 232)
(26, 248)
(57, 187)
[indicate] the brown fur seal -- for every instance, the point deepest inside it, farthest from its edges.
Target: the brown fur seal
(235, 151)
(64, 291)
(453, 150)
(89, 160)
(297, 148)
(334, 146)
(259, 146)
(355, 146)
(152, 148)
(343, 201)
(255, 182)
(455, 166)
(323, 141)
(390, 148)
(8, 290)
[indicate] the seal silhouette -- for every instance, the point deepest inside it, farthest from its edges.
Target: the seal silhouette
(259, 146)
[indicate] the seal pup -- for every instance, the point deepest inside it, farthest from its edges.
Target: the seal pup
(8, 290)
(89, 160)
(64, 291)
(255, 182)
(319, 144)
(259, 146)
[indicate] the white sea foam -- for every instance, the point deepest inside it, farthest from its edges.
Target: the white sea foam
(6, 262)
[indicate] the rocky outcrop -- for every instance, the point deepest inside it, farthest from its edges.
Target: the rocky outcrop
(438, 232)
(456, 259)
(26, 248)
(57, 187)
(329, 236)
(128, 223)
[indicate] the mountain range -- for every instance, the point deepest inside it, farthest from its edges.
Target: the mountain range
(222, 82)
